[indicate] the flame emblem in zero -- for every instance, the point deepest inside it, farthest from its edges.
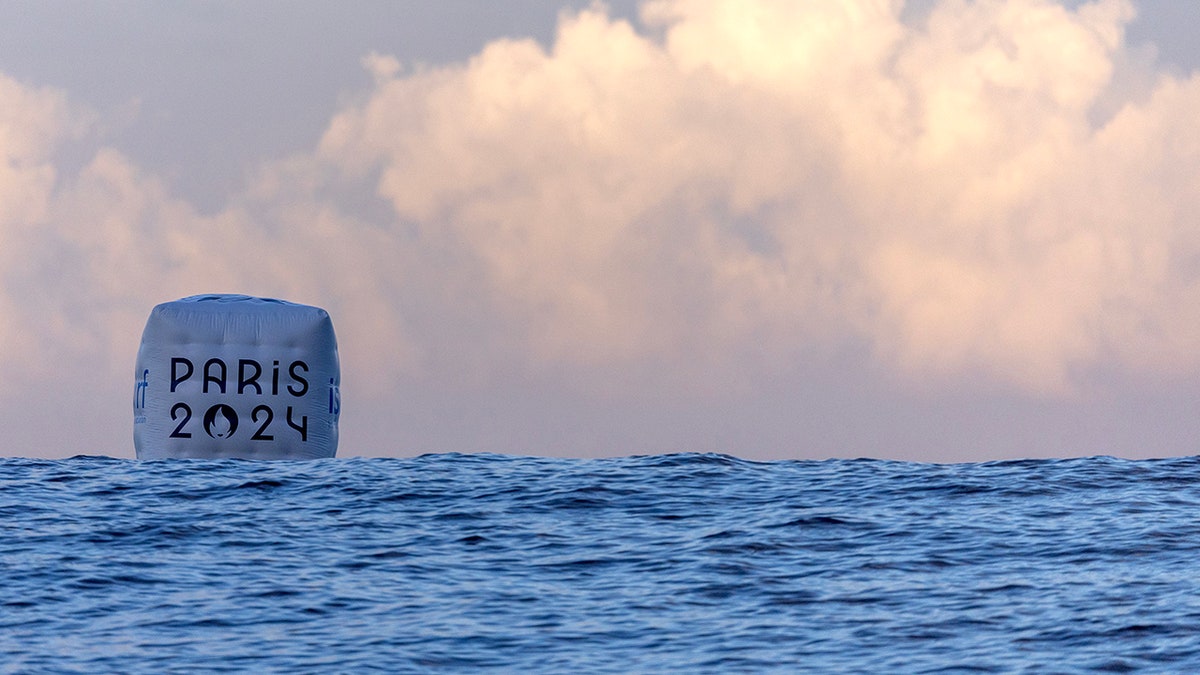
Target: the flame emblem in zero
(220, 421)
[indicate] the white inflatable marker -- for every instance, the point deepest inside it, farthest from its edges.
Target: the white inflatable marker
(234, 376)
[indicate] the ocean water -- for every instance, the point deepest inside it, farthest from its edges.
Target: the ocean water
(676, 563)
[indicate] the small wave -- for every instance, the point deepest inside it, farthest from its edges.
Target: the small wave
(689, 562)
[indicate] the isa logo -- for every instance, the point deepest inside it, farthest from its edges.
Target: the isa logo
(335, 398)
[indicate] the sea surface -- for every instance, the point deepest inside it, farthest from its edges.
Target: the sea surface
(673, 563)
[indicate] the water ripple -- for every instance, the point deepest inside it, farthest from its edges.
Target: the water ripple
(690, 562)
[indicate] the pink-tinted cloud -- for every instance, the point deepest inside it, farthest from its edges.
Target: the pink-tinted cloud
(797, 170)
(1000, 191)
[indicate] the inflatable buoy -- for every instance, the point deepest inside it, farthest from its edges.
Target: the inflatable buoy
(234, 376)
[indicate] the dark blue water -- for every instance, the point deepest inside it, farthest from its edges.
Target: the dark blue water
(680, 563)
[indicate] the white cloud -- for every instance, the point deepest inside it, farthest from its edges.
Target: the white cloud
(730, 186)
(803, 171)
(32, 123)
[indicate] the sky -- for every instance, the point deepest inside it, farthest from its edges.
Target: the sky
(941, 230)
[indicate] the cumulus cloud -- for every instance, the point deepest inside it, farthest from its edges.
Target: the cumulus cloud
(798, 173)
(31, 122)
(719, 187)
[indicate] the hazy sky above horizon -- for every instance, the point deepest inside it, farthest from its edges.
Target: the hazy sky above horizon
(945, 230)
